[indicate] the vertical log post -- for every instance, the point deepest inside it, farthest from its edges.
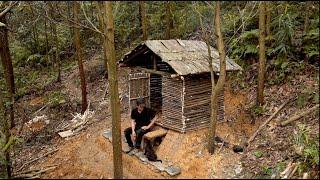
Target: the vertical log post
(79, 58)
(114, 95)
(262, 53)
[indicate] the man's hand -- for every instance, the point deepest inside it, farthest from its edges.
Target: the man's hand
(144, 127)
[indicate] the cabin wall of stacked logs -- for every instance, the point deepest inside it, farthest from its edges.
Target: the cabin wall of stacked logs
(184, 103)
(187, 103)
(197, 102)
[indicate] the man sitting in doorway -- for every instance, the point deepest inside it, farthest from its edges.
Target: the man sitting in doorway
(142, 120)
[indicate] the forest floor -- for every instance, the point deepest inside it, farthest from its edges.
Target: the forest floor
(89, 154)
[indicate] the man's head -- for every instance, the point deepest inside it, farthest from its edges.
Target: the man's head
(140, 104)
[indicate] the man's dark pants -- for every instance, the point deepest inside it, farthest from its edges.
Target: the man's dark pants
(139, 132)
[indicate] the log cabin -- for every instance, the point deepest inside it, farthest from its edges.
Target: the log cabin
(173, 77)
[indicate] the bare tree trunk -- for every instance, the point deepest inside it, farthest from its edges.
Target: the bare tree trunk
(102, 22)
(51, 42)
(220, 84)
(7, 66)
(4, 128)
(56, 40)
(143, 20)
(80, 64)
(69, 16)
(168, 20)
(206, 38)
(47, 41)
(34, 30)
(91, 8)
(262, 53)
(114, 95)
(58, 63)
(306, 18)
(268, 20)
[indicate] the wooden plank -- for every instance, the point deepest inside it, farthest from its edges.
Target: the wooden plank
(151, 71)
(156, 133)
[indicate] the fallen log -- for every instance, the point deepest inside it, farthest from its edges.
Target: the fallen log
(300, 115)
(36, 174)
(293, 171)
(289, 166)
(33, 170)
(305, 176)
(266, 122)
(33, 160)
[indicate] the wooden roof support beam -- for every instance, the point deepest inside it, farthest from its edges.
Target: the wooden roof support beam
(151, 71)
(135, 54)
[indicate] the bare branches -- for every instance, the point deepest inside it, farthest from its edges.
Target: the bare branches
(4, 12)
(242, 25)
(66, 21)
(85, 15)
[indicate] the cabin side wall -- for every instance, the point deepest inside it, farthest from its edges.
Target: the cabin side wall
(197, 102)
(172, 93)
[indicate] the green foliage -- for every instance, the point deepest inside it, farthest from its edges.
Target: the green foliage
(284, 70)
(306, 94)
(281, 166)
(246, 44)
(309, 145)
(55, 98)
(267, 171)
(311, 40)
(20, 54)
(257, 110)
(258, 154)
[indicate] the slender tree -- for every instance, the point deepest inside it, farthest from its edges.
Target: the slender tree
(69, 16)
(221, 81)
(143, 20)
(34, 29)
(114, 94)
(307, 16)
(268, 17)
(7, 65)
(168, 20)
(262, 53)
(57, 57)
(103, 22)
(75, 7)
(56, 41)
(47, 40)
(5, 135)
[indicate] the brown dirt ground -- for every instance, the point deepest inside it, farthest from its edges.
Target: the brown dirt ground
(89, 155)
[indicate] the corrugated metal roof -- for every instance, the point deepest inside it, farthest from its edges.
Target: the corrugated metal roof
(185, 56)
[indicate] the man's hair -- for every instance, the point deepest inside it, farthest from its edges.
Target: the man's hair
(140, 101)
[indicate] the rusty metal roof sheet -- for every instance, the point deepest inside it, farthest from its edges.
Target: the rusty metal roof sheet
(185, 56)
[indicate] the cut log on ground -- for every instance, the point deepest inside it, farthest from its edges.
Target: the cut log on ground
(300, 115)
(33, 170)
(35, 174)
(33, 160)
(266, 122)
(305, 176)
(291, 167)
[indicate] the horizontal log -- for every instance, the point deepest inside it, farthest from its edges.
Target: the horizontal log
(151, 71)
(188, 129)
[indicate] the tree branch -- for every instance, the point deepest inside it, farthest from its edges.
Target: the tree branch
(4, 12)
(85, 15)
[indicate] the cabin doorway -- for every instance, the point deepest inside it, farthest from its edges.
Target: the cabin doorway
(147, 86)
